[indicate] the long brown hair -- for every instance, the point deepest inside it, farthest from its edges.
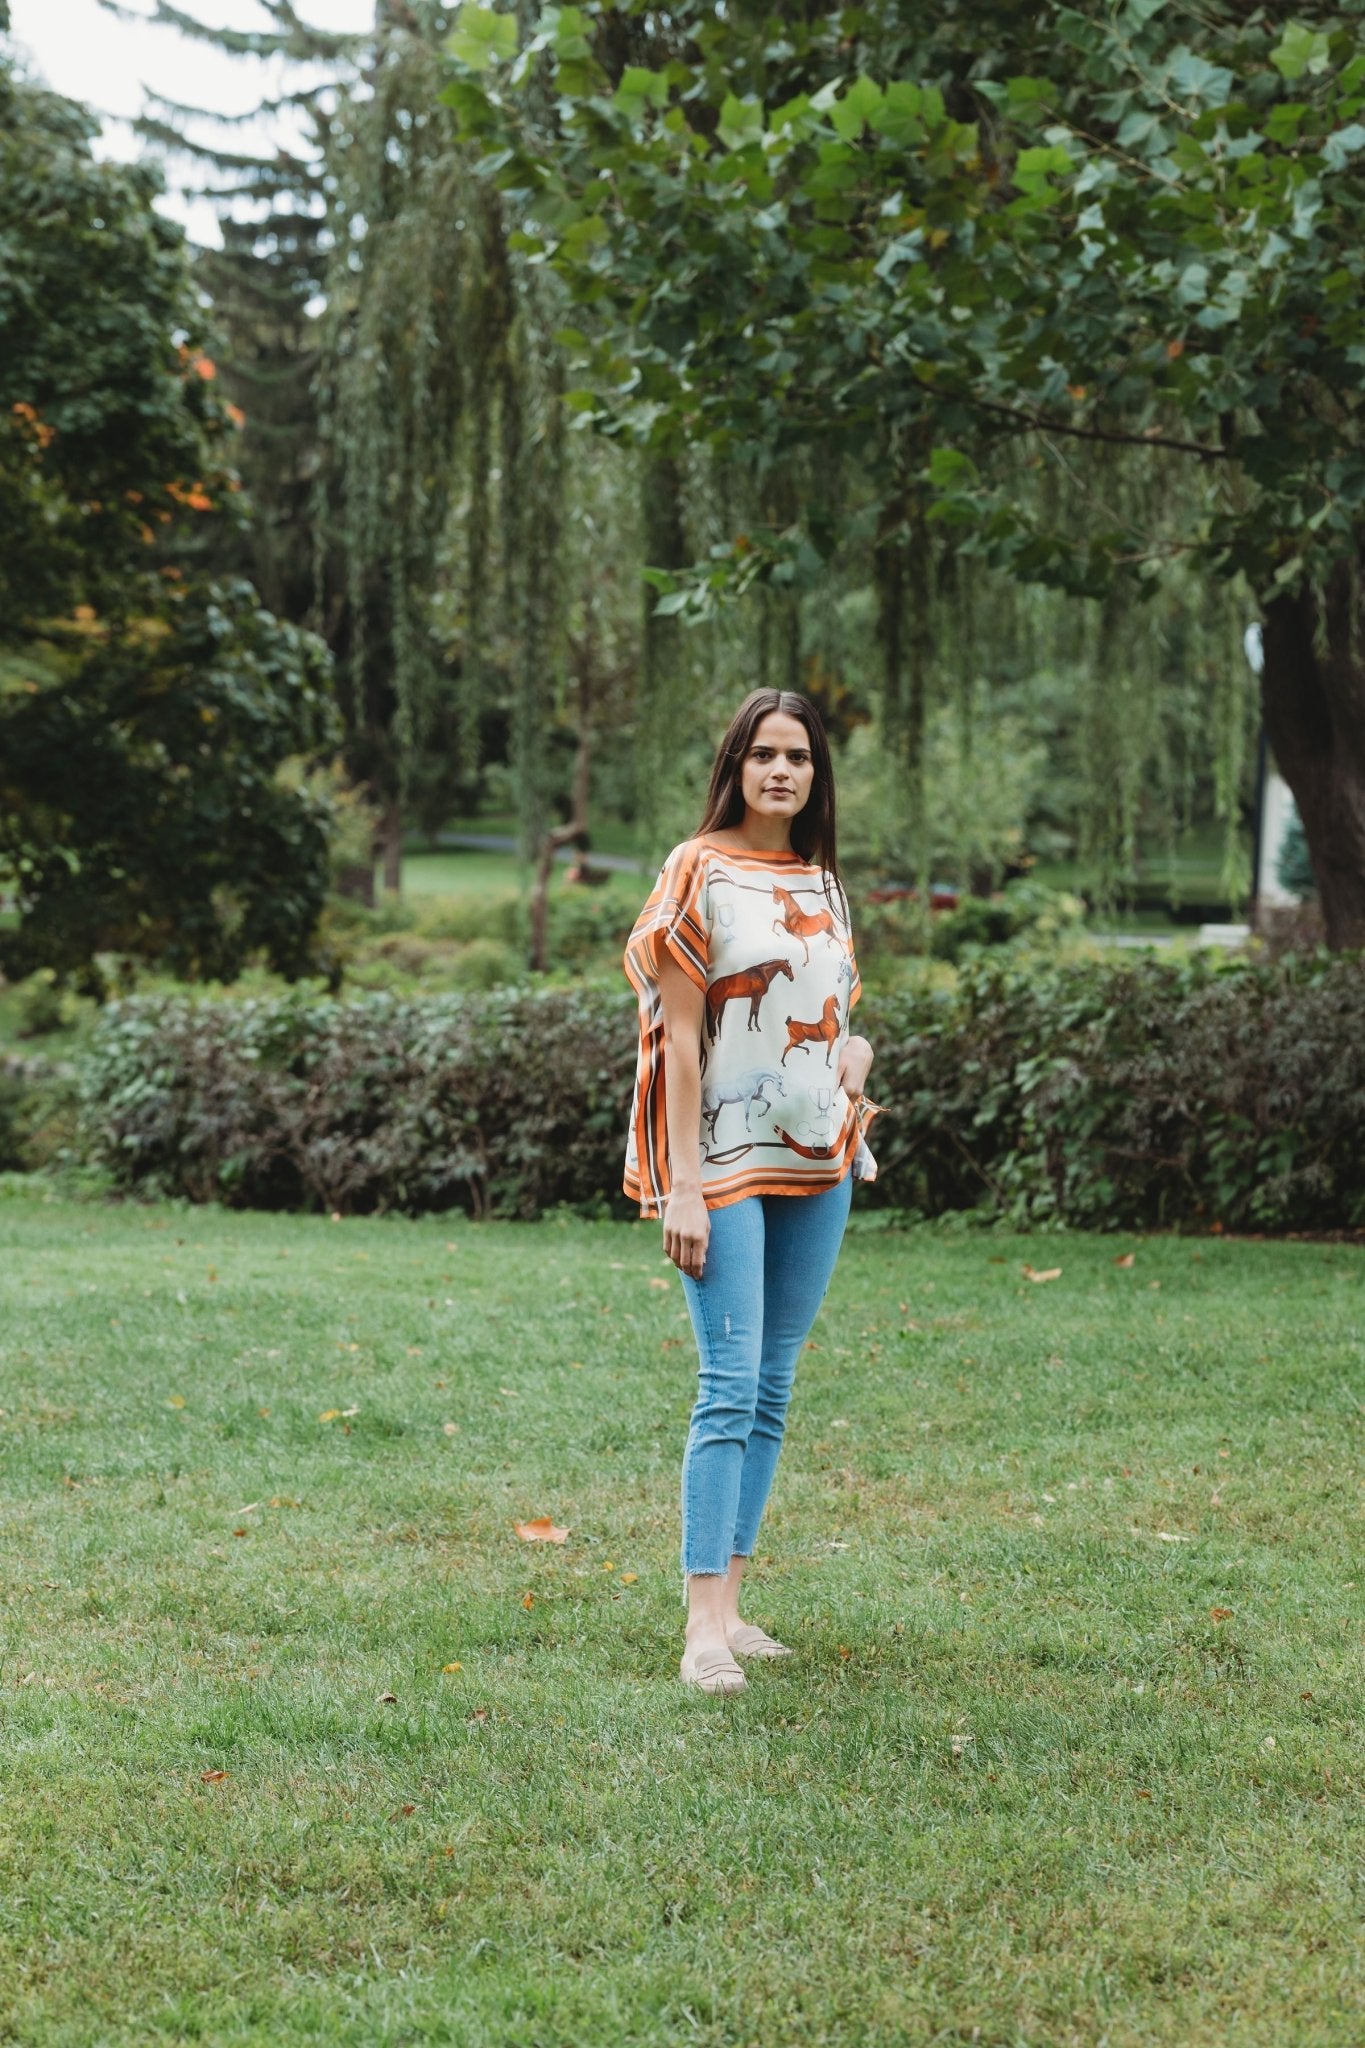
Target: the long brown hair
(814, 826)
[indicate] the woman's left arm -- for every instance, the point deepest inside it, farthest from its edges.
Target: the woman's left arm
(854, 1062)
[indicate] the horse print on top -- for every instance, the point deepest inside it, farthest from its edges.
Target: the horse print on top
(772, 952)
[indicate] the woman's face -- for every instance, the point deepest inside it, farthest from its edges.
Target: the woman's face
(777, 772)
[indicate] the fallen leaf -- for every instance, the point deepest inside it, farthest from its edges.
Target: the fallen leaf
(452, 1667)
(403, 1811)
(1220, 1613)
(1305, 1695)
(387, 1699)
(608, 1566)
(262, 1411)
(845, 1653)
(1165, 1536)
(1144, 1794)
(212, 1777)
(479, 1714)
(329, 1415)
(1126, 1260)
(175, 1401)
(541, 1530)
(240, 1532)
(657, 1280)
(284, 1500)
(629, 1578)
(450, 1429)
(1051, 1273)
(528, 1601)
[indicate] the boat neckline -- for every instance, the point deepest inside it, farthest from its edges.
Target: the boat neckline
(757, 853)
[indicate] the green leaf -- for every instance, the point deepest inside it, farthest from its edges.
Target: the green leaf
(1300, 49)
(568, 29)
(1282, 123)
(857, 107)
(482, 37)
(950, 469)
(639, 87)
(1035, 167)
(741, 122)
(899, 119)
(1346, 143)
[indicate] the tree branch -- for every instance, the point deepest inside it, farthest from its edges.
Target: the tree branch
(1037, 423)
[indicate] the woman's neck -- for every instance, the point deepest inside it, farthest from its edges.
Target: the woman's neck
(755, 834)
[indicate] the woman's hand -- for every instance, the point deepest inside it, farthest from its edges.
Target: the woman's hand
(854, 1062)
(687, 1228)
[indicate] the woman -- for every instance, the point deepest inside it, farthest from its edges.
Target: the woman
(746, 1125)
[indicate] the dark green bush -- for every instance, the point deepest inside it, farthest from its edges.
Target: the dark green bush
(1126, 1094)
(505, 1103)
(38, 1112)
(1132, 1093)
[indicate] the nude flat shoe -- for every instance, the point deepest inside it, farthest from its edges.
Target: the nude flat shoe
(711, 1671)
(748, 1641)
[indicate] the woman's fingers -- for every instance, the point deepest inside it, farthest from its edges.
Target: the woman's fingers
(687, 1251)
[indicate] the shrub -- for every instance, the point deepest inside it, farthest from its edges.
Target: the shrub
(38, 1112)
(1130, 1093)
(1124, 1093)
(504, 1103)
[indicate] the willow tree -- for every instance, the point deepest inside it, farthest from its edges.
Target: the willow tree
(960, 250)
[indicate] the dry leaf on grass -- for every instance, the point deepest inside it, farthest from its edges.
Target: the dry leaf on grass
(528, 1601)
(1050, 1273)
(333, 1414)
(175, 1401)
(541, 1530)
(452, 1667)
(629, 1578)
(212, 1777)
(387, 1699)
(1220, 1614)
(1126, 1260)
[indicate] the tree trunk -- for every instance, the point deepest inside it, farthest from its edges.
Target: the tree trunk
(583, 654)
(391, 847)
(1313, 703)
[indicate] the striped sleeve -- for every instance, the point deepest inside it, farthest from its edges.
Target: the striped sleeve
(672, 922)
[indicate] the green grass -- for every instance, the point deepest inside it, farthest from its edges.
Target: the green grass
(1018, 1787)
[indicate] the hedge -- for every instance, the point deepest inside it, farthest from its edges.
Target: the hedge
(1130, 1093)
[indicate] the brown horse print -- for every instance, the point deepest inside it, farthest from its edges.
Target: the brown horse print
(826, 1032)
(752, 982)
(804, 925)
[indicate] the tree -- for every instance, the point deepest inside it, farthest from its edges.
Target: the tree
(145, 711)
(950, 249)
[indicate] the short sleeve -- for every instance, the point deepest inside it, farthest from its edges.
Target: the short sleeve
(672, 922)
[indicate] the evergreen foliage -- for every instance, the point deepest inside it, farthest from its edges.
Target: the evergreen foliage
(145, 710)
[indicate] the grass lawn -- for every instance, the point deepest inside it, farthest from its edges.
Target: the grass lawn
(301, 1743)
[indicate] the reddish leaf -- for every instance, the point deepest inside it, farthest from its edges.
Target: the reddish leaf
(541, 1530)
(212, 1777)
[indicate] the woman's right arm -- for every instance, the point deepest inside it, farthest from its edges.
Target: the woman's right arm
(687, 1225)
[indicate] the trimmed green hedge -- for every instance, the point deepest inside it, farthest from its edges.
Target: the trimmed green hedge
(1132, 1093)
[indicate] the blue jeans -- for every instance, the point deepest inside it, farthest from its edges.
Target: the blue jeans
(768, 1263)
